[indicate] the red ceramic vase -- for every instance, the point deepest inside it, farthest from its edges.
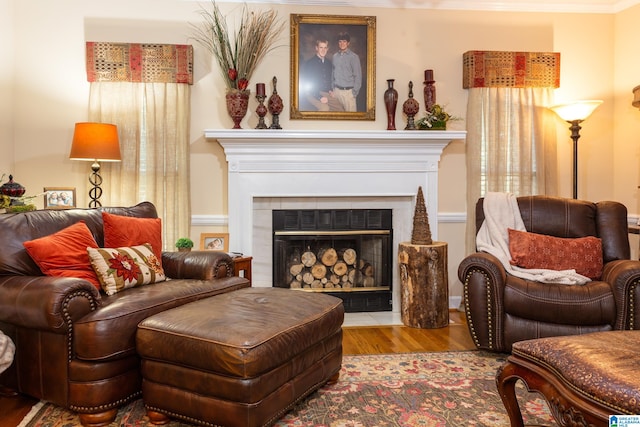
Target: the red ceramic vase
(237, 104)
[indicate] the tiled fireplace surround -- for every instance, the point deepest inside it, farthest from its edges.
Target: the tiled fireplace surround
(278, 169)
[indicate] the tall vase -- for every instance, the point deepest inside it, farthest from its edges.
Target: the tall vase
(237, 104)
(390, 103)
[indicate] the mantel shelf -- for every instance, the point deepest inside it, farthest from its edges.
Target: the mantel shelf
(333, 136)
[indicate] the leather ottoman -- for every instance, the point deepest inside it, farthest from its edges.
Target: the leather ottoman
(243, 358)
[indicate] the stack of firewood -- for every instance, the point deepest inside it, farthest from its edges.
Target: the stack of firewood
(329, 268)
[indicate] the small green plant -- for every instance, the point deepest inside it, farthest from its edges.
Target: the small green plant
(437, 118)
(184, 242)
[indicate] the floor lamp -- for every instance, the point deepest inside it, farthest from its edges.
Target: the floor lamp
(95, 142)
(575, 113)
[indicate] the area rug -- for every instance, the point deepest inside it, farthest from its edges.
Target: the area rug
(409, 389)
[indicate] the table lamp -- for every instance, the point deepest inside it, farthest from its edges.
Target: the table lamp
(95, 142)
(575, 113)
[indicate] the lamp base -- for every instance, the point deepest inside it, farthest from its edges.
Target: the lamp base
(96, 180)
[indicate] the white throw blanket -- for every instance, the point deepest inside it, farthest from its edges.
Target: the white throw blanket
(7, 350)
(501, 212)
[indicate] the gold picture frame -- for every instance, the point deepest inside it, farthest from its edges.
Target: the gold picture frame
(305, 31)
(59, 197)
(214, 242)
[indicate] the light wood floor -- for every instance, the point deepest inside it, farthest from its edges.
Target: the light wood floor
(356, 340)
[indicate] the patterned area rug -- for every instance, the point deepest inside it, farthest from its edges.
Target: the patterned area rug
(408, 389)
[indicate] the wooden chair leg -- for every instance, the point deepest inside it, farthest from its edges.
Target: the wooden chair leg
(506, 382)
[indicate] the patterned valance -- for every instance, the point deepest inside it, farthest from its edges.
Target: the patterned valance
(510, 69)
(139, 62)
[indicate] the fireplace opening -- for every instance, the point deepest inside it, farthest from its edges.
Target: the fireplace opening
(343, 252)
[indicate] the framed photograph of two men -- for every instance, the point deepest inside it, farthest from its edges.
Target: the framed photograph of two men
(333, 72)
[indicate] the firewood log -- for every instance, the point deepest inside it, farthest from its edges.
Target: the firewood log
(328, 256)
(366, 268)
(308, 258)
(318, 270)
(349, 256)
(307, 277)
(340, 268)
(296, 269)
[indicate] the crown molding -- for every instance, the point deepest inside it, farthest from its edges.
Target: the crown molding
(562, 6)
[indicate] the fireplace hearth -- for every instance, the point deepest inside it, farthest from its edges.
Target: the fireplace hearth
(343, 252)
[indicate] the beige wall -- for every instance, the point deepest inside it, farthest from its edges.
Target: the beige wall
(6, 87)
(43, 76)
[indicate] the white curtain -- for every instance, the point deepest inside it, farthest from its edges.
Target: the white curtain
(153, 126)
(510, 145)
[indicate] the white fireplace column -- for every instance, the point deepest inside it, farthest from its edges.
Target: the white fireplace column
(332, 164)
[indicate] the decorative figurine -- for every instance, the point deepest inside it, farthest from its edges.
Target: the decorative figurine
(410, 108)
(275, 106)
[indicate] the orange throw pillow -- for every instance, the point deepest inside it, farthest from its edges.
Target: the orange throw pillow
(122, 231)
(64, 254)
(531, 250)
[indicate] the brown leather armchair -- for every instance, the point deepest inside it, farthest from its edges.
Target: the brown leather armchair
(502, 309)
(75, 346)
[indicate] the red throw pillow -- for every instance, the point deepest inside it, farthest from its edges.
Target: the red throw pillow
(531, 250)
(122, 231)
(64, 254)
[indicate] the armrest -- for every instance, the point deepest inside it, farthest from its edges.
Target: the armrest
(45, 302)
(202, 265)
(624, 278)
(485, 263)
(483, 278)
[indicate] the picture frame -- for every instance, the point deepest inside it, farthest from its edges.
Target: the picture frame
(306, 97)
(214, 242)
(59, 197)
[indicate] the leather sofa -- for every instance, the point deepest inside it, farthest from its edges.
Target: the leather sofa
(502, 309)
(75, 346)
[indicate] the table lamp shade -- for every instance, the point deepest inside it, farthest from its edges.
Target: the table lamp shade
(95, 142)
(578, 110)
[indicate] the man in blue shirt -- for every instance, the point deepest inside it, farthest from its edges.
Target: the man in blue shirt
(347, 73)
(316, 80)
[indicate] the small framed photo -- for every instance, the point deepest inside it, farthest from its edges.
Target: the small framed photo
(59, 197)
(214, 242)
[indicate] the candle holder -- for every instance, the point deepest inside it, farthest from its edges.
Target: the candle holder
(261, 111)
(275, 106)
(429, 90)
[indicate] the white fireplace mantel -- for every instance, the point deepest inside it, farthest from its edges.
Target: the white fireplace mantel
(350, 164)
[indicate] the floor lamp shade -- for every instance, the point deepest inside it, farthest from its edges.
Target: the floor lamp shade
(96, 142)
(575, 113)
(578, 110)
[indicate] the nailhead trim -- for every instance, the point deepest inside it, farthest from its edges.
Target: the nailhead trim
(632, 304)
(489, 311)
(116, 404)
(67, 316)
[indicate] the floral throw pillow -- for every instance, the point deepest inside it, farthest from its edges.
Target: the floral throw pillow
(121, 268)
(532, 250)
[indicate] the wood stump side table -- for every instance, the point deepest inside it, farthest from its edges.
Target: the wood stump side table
(424, 285)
